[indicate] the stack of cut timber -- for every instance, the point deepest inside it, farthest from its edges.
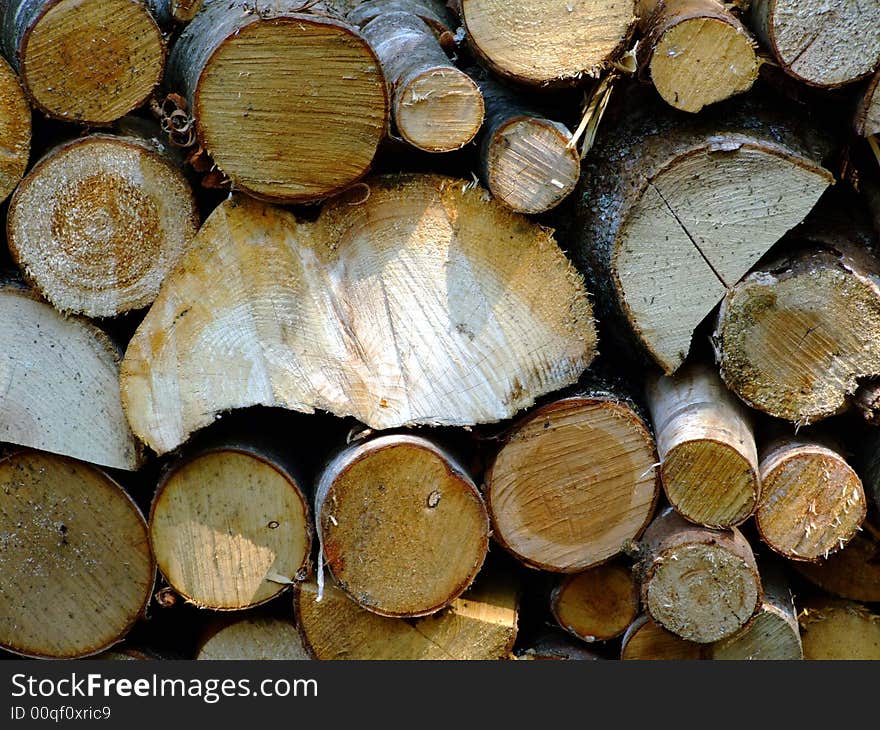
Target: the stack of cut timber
(405, 329)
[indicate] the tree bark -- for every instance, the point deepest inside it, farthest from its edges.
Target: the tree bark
(433, 12)
(397, 307)
(867, 118)
(709, 461)
(253, 638)
(403, 528)
(278, 118)
(56, 45)
(436, 107)
(556, 646)
(645, 641)
(169, 12)
(74, 555)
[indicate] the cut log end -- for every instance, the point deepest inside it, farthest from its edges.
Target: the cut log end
(867, 118)
(575, 481)
(254, 638)
(598, 604)
(230, 529)
(282, 121)
(403, 529)
(530, 166)
(840, 630)
(773, 635)
(15, 130)
(646, 641)
(74, 555)
(70, 39)
(98, 223)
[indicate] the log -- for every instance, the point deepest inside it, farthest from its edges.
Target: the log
(708, 457)
(867, 117)
(842, 630)
(400, 310)
(480, 625)
(574, 481)
(644, 641)
(795, 336)
(230, 526)
(15, 130)
(170, 12)
(774, 634)
(701, 584)
(556, 646)
(560, 43)
(812, 501)
(254, 638)
(598, 604)
(290, 106)
(436, 107)
(57, 46)
(526, 160)
(820, 44)
(70, 403)
(75, 219)
(433, 12)
(74, 555)
(403, 528)
(696, 52)
(673, 211)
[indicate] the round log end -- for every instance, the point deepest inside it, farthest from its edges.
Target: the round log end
(255, 638)
(646, 641)
(598, 604)
(15, 130)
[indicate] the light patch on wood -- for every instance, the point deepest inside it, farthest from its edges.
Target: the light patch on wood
(256, 638)
(424, 304)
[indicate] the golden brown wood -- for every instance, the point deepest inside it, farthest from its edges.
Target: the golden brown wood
(842, 630)
(230, 528)
(74, 556)
(574, 481)
(402, 309)
(403, 528)
(645, 640)
(99, 222)
(254, 638)
(15, 130)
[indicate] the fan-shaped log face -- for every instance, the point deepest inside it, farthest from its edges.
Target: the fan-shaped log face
(74, 556)
(92, 60)
(292, 108)
(415, 302)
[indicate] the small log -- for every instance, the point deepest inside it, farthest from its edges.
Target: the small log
(867, 118)
(841, 630)
(74, 555)
(230, 527)
(644, 641)
(820, 44)
(598, 604)
(774, 634)
(560, 42)
(526, 160)
(253, 638)
(99, 222)
(169, 12)
(709, 461)
(701, 584)
(673, 211)
(436, 107)
(60, 388)
(433, 12)
(696, 52)
(400, 310)
(556, 646)
(479, 625)
(15, 130)
(291, 106)
(812, 502)
(403, 528)
(87, 61)
(574, 481)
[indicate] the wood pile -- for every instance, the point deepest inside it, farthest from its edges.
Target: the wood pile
(399, 329)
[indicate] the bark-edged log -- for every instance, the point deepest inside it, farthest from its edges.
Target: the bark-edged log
(672, 211)
(15, 130)
(230, 527)
(401, 310)
(436, 107)
(576, 479)
(867, 118)
(526, 160)
(290, 106)
(98, 223)
(433, 12)
(844, 630)
(819, 43)
(253, 638)
(696, 52)
(560, 42)
(168, 12)
(74, 555)
(646, 640)
(69, 405)
(598, 604)
(479, 625)
(89, 61)
(556, 646)
(812, 501)
(701, 584)
(709, 460)
(403, 528)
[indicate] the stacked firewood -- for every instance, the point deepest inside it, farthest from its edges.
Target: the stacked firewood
(404, 330)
